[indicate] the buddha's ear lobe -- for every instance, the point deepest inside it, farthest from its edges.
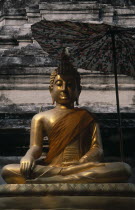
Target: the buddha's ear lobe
(80, 89)
(77, 101)
(53, 101)
(50, 88)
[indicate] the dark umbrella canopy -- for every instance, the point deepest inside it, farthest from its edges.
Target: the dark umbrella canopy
(90, 45)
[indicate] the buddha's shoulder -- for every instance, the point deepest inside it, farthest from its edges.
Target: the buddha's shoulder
(43, 115)
(91, 114)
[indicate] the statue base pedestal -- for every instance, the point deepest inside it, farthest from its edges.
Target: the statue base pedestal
(68, 196)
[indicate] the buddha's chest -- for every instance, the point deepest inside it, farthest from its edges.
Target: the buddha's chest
(53, 118)
(72, 151)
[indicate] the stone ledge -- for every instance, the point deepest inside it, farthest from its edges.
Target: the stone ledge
(12, 86)
(68, 196)
(93, 10)
(67, 189)
(68, 202)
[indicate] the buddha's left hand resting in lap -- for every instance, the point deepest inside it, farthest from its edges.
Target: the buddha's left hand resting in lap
(75, 148)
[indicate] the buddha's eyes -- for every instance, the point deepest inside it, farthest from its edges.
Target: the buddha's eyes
(58, 83)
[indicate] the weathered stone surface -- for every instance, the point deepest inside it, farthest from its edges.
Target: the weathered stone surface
(7, 42)
(15, 94)
(68, 196)
(92, 10)
(117, 2)
(119, 189)
(68, 202)
(31, 49)
(18, 4)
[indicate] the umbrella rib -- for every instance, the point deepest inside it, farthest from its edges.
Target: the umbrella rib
(66, 27)
(85, 47)
(129, 38)
(81, 25)
(130, 57)
(82, 36)
(69, 28)
(97, 50)
(93, 42)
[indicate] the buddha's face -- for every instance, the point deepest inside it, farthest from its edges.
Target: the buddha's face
(64, 90)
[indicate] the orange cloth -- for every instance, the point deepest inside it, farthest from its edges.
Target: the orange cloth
(65, 130)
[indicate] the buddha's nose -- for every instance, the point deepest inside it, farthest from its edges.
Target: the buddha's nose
(64, 87)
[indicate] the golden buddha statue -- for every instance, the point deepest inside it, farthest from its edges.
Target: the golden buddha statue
(75, 148)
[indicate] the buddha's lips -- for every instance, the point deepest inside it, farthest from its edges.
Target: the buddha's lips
(63, 95)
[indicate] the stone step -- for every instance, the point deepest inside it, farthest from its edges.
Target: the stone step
(7, 41)
(67, 5)
(87, 79)
(36, 86)
(24, 61)
(97, 100)
(106, 196)
(72, 10)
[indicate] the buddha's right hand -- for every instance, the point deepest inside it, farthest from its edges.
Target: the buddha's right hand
(27, 164)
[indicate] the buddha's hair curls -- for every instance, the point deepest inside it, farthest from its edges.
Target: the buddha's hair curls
(76, 76)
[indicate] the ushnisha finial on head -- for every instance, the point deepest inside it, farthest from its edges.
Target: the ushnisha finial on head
(65, 66)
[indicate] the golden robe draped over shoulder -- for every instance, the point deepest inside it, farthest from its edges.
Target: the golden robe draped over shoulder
(65, 130)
